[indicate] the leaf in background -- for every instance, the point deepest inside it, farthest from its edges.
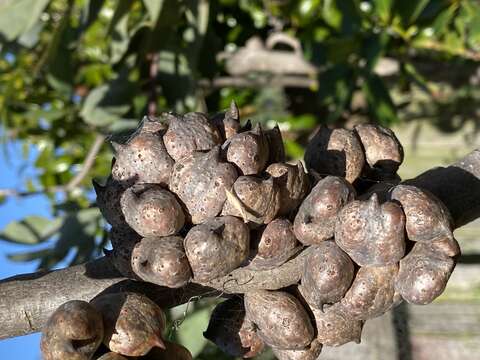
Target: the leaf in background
(379, 101)
(154, 7)
(19, 16)
(383, 9)
(108, 103)
(31, 230)
(90, 12)
(29, 255)
(408, 11)
(118, 31)
(190, 332)
(293, 149)
(417, 78)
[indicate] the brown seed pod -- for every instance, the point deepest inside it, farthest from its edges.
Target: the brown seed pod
(253, 199)
(249, 151)
(228, 122)
(370, 233)
(427, 218)
(423, 274)
(311, 352)
(217, 247)
(335, 327)
(275, 246)
(123, 241)
(111, 356)
(172, 351)
(162, 261)
(276, 151)
(74, 331)
(108, 201)
(281, 319)
(327, 275)
(315, 219)
(133, 323)
(335, 152)
(372, 292)
(151, 210)
(293, 183)
(448, 246)
(383, 151)
(232, 332)
(189, 133)
(200, 180)
(144, 157)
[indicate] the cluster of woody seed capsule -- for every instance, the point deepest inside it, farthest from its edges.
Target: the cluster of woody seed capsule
(192, 197)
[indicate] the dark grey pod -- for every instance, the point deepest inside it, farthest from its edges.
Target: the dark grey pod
(108, 201)
(281, 319)
(293, 183)
(151, 210)
(327, 275)
(144, 157)
(370, 233)
(335, 152)
(315, 219)
(123, 242)
(189, 133)
(249, 151)
(201, 181)
(217, 247)
(423, 274)
(161, 261)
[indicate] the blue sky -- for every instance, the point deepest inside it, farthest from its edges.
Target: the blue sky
(13, 174)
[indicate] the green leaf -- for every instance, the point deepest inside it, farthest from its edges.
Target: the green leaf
(408, 11)
(383, 9)
(190, 332)
(379, 101)
(108, 103)
(31, 230)
(293, 149)
(19, 16)
(29, 255)
(154, 7)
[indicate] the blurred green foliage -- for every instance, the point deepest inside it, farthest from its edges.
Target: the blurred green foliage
(74, 70)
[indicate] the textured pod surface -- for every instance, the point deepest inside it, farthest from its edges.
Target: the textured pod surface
(315, 219)
(335, 327)
(232, 332)
(327, 275)
(162, 261)
(74, 331)
(311, 352)
(111, 356)
(293, 183)
(335, 152)
(217, 247)
(372, 292)
(172, 351)
(427, 218)
(144, 157)
(200, 180)
(249, 151)
(383, 151)
(123, 241)
(423, 274)
(228, 122)
(189, 133)
(133, 323)
(276, 151)
(370, 233)
(448, 246)
(275, 246)
(152, 211)
(108, 201)
(253, 199)
(280, 318)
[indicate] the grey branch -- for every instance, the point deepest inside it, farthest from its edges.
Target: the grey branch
(26, 301)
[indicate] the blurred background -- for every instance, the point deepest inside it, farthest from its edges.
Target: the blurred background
(73, 72)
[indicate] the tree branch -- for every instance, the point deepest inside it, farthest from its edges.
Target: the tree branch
(73, 183)
(26, 301)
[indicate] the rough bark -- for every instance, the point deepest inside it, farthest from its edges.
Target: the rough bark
(26, 301)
